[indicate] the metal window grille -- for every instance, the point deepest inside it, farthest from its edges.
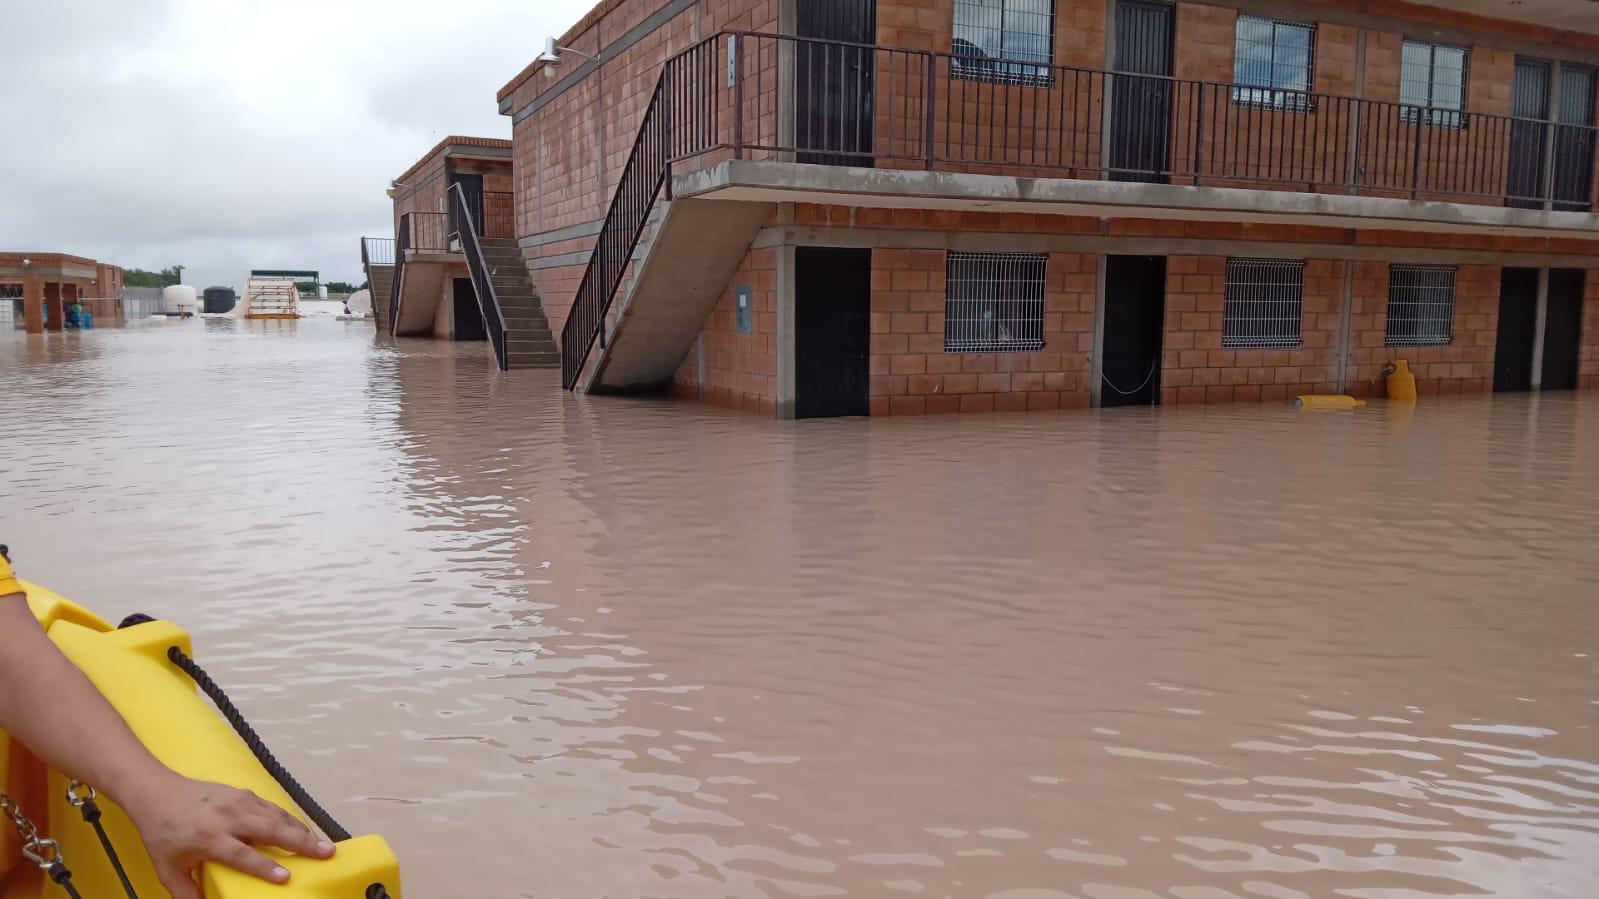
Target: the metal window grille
(1433, 76)
(995, 40)
(994, 302)
(1274, 64)
(1265, 303)
(1421, 305)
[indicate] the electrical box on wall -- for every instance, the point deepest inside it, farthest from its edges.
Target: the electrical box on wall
(745, 308)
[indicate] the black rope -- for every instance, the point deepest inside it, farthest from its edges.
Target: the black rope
(377, 891)
(298, 793)
(58, 872)
(91, 814)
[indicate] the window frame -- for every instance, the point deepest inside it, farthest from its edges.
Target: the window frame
(986, 68)
(1436, 116)
(1413, 340)
(1283, 99)
(1033, 308)
(1231, 306)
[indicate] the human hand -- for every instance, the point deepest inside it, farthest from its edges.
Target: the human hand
(185, 822)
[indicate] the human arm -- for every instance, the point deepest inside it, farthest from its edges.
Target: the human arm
(51, 707)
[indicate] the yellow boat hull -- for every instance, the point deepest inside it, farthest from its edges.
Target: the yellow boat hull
(162, 707)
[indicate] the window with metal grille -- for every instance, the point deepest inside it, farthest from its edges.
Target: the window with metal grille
(1421, 305)
(1433, 76)
(994, 302)
(1274, 63)
(995, 40)
(1265, 303)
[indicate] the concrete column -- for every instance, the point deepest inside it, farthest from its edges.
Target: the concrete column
(33, 305)
(52, 298)
(1096, 362)
(1345, 310)
(1538, 329)
(785, 330)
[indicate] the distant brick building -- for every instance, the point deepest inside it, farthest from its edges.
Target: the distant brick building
(817, 207)
(43, 285)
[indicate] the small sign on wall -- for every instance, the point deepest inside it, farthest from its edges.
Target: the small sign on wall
(745, 308)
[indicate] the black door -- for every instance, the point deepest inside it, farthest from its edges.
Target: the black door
(1574, 139)
(472, 187)
(832, 331)
(1518, 327)
(1562, 329)
(1529, 99)
(1140, 124)
(468, 315)
(1135, 313)
(833, 82)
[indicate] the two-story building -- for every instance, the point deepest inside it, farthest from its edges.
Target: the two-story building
(452, 271)
(38, 289)
(829, 207)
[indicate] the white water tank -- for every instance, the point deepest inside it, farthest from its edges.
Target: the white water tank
(360, 302)
(179, 298)
(321, 291)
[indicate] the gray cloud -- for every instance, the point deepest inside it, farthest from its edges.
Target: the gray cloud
(228, 135)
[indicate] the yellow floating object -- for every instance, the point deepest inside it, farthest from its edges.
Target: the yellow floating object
(1327, 403)
(1401, 382)
(162, 707)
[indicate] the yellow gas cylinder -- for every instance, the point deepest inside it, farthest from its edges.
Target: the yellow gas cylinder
(1401, 383)
(1327, 403)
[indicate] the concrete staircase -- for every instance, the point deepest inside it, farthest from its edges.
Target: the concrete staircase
(695, 247)
(529, 343)
(382, 287)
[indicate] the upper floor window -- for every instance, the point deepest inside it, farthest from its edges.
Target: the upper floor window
(1011, 41)
(1274, 63)
(1433, 76)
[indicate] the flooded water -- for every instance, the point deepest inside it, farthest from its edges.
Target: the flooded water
(561, 647)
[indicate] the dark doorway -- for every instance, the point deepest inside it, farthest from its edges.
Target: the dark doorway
(1529, 99)
(1574, 139)
(833, 82)
(468, 316)
(1135, 315)
(1518, 329)
(832, 331)
(1562, 329)
(1140, 125)
(472, 188)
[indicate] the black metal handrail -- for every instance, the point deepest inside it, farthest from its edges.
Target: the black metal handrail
(375, 251)
(482, 285)
(813, 100)
(402, 243)
(681, 121)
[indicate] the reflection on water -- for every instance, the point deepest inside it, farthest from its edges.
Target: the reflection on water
(571, 648)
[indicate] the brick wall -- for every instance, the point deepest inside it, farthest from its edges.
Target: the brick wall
(1464, 366)
(740, 369)
(1195, 368)
(911, 374)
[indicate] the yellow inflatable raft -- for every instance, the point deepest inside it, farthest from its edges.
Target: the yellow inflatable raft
(132, 668)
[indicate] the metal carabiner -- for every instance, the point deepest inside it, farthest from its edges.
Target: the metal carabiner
(75, 795)
(42, 851)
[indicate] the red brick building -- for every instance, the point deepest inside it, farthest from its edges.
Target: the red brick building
(44, 285)
(452, 271)
(821, 207)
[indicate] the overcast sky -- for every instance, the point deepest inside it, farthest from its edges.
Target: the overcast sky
(228, 135)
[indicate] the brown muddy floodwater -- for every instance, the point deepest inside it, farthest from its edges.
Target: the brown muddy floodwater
(566, 647)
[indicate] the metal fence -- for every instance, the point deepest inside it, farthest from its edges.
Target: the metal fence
(141, 302)
(994, 302)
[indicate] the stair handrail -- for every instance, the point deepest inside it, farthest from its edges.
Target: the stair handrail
(366, 269)
(488, 302)
(402, 243)
(649, 165)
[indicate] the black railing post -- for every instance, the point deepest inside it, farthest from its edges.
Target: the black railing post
(932, 93)
(1415, 159)
(1199, 136)
(737, 46)
(1550, 159)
